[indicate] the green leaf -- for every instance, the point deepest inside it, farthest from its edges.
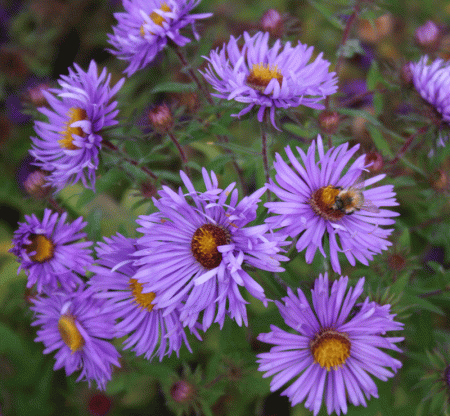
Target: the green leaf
(327, 14)
(174, 87)
(409, 299)
(359, 113)
(218, 164)
(380, 142)
(374, 76)
(300, 131)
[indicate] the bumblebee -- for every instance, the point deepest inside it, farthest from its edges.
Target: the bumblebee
(351, 199)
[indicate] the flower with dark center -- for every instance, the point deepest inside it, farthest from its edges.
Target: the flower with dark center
(146, 26)
(197, 250)
(332, 353)
(318, 198)
(269, 77)
(150, 330)
(77, 327)
(49, 253)
(68, 144)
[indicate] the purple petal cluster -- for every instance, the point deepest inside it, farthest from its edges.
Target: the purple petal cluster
(150, 330)
(77, 327)
(197, 250)
(68, 144)
(50, 253)
(431, 82)
(307, 190)
(335, 350)
(269, 77)
(146, 26)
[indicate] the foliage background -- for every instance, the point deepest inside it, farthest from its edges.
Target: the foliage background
(41, 38)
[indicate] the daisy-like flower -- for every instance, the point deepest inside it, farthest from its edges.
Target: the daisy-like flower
(431, 82)
(68, 144)
(269, 77)
(197, 248)
(77, 326)
(318, 198)
(146, 26)
(336, 348)
(151, 331)
(49, 253)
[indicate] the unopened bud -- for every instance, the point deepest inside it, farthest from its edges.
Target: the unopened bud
(329, 121)
(439, 180)
(396, 261)
(182, 391)
(161, 118)
(99, 405)
(428, 35)
(272, 22)
(406, 75)
(34, 95)
(376, 161)
(35, 185)
(148, 190)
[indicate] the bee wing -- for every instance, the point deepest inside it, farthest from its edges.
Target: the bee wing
(370, 207)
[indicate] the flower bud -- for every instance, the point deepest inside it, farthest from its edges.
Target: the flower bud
(376, 161)
(272, 22)
(329, 121)
(439, 180)
(428, 36)
(34, 94)
(35, 185)
(161, 118)
(182, 392)
(406, 76)
(99, 404)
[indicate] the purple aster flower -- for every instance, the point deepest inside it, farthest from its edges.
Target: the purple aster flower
(336, 348)
(68, 144)
(149, 328)
(431, 82)
(198, 247)
(269, 77)
(77, 325)
(48, 253)
(318, 198)
(147, 25)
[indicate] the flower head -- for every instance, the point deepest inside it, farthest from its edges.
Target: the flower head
(48, 253)
(269, 77)
(431, 82)
(146, 26)
(336, 348)
(318, 198)
(77, 326)
(148, 328)
(68, 144)
(197, 248)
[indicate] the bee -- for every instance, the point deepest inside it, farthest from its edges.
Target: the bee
(351, 199)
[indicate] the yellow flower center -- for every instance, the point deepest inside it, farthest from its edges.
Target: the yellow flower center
(204, 244)
(144, 300)
(70, 333)
(157, 18)
(330, 348)
(322, 201)
(43, 247)
(74, 114)
(261, 75)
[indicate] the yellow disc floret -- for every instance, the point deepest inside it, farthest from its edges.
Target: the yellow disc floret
(157, 18)
(70, 333)
(322, 201)
(330, 349)
(261, 74)
(43, 247)
(74, 114)
(204, 244)
(144, 300)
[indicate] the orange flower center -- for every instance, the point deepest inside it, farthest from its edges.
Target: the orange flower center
(70, 333)
(74, 114)
(157, 18)
(261, 75)
(204, 244)
(330, 348)
(322, 201)
(144, 300)
(43, 247)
